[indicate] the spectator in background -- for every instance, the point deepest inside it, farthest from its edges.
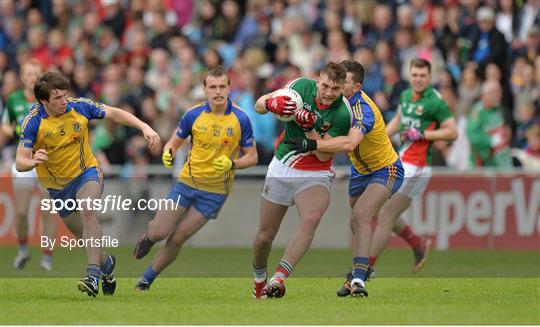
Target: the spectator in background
(468, 92)
(383, 28)
(424, 49)
(487, 131)
(529, 158)
(373, 71)
(488, 43)
(264, 126)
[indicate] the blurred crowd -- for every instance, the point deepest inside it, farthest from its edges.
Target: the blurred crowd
(147, 57)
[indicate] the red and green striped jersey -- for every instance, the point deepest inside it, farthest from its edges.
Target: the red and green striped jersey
(424, 113)
(334, 120)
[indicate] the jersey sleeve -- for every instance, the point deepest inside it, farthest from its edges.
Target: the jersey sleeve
(186, 124)
(301, 85)
(342, 124)
(29, 131)
(88, 108)
(443, 112)
(363, 117)
(247, 139)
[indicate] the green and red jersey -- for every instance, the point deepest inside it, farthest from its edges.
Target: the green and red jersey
(424, 113)
(334, 120)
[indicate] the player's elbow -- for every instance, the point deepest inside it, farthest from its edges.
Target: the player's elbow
(350, 146)
(253, 159)
(453, 134)
(20, 167)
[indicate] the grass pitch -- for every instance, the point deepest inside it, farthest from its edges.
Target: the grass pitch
(456, 287)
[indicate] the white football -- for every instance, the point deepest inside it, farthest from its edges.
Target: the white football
(295, 96)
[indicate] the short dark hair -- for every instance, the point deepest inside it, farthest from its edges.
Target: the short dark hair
(421, 63)
(48, 82)
(215, 71)
(335, 72)
(355, 68)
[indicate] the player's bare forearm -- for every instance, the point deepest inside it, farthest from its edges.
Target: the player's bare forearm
(24, 161)
(393, 125)
(260, 106)
(174, 143)
(343, 144)
(321, 155)
(124, 118)
(446, 132)
(248, 159)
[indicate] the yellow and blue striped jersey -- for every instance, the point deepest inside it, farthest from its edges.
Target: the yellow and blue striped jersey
(211, 137)
(65, 138)
(375, 151)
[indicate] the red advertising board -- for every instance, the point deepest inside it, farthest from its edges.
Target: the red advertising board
(480, 211)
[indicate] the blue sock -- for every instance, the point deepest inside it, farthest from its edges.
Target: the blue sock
(23, 248)
(360, 266)
(107, 266)
(93, 271)
(149, 275)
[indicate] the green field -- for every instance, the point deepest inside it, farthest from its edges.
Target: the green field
(212, 286)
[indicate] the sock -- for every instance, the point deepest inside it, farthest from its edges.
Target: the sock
(372, 261)
(94, 272)
(23, 245)
(412, 239)
(283, 270)
(107, 266)
(259, 273)
(149, 274)
(360, 265)
(47, 253)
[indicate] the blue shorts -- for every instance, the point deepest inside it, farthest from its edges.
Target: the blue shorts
(391, 176)
(207, 203)
(70, 191)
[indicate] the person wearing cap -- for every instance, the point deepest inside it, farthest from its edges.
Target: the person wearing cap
(488, 43)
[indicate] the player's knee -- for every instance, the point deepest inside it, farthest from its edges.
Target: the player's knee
(156, 232)
(311, 220)
(179, 240)
(265, 237)
(360, 221)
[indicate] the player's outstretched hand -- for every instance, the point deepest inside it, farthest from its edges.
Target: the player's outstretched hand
(40, 156)
(152, 137)
(223, 164)
(167, 158)
(412, 135)
(305, 118)
(301, 145)
(280, 105)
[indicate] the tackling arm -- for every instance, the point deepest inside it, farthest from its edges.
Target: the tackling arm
(344, 144)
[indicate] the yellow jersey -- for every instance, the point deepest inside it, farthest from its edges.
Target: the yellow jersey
(65, 138)
(211, 137)
(375, 151)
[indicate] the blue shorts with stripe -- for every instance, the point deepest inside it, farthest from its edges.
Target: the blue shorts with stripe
(69, 192)
(207, 203)
(390, 176)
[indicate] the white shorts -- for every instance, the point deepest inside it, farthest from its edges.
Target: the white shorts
(25, 178)
(416, 180)
(282, 182)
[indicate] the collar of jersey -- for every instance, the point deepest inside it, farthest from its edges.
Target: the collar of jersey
(43, 112)
(227, 111)
(357, 96)
(427, 92)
